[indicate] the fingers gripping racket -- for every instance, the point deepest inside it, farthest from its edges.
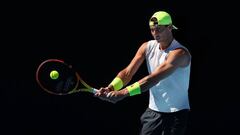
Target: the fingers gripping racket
(59, 78)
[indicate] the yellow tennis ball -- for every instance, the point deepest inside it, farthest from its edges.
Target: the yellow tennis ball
(54, 74)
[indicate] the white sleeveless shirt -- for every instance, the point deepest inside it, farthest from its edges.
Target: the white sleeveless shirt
(171, 93)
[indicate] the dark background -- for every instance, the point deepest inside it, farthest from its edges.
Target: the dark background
(99, 39)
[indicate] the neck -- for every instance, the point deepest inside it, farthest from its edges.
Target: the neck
(165, 44)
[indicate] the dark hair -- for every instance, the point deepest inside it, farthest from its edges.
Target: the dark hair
(154, 20)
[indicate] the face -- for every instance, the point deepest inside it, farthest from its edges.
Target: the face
(160, 32)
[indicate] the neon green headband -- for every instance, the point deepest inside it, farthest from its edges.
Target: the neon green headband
(163, 18)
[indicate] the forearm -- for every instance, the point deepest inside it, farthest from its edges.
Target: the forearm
(147, 82)
(151, 80)
(126, 76)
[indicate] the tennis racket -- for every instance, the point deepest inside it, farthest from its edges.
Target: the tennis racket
(64, 81)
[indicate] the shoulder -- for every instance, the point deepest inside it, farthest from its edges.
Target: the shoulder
(143, 47)
(149, 46)
(179, 47)
(182, 55)
(179, 52)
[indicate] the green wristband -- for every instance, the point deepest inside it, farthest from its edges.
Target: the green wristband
(134, 89)
(117, 83)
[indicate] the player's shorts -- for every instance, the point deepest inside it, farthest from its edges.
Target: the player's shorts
(159, 123)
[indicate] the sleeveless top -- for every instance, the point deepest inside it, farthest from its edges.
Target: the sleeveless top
(171, 93)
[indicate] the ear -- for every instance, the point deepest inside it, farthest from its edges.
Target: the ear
(170, 27)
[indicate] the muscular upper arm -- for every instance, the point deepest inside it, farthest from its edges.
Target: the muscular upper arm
(137, 60)
(127, 73)
(178, 58)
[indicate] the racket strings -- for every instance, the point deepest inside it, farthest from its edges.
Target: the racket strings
(66, 84)
(68, 81)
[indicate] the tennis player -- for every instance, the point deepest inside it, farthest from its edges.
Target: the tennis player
(168, 63)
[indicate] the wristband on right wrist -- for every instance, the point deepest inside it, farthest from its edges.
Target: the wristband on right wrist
(117, 83)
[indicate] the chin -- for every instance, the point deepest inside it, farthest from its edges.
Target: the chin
(158, 40)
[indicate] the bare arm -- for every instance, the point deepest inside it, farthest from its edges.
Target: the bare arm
(127, 73)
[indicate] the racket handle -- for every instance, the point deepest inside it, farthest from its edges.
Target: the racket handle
(95, 90)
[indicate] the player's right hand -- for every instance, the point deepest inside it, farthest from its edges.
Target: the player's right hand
(103, 91)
